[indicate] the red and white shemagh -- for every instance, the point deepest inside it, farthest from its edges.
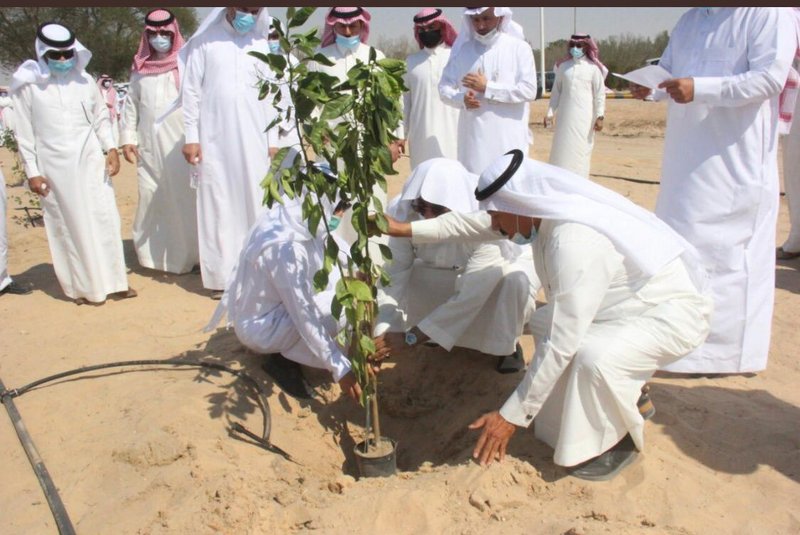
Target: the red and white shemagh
(145, 60)
(342, 14)
(429, 15)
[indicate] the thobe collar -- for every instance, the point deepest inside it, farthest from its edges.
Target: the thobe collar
(348, 51)
(437, 49)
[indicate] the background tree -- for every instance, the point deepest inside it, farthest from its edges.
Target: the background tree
(111, 33)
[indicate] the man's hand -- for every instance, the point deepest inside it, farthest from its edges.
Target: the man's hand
(350, 386)
(639, 91)
(494, 439)
(476, 81)
(112, 162)
(386, 345)
(680, 89)
(39, 185)
(131, 153)
(192, 153)
(598, 124)
(471, 102)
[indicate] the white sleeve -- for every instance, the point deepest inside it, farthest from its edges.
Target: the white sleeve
(450, 88)
(599, 89)
(580, 268)
(454, 227)
(130, 117)
(524, 87)
(555, 94)
(101, 119)
(23, 130)
(771, 44)
(297, 295)
(191, 92)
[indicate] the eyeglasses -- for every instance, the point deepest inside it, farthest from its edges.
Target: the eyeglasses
(59, 54)
(577, 45)
(423, 207)
(164, 33)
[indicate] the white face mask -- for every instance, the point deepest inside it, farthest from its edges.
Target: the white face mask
(487, 39)
(161, 43)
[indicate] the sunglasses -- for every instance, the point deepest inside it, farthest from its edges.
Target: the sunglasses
(59, 54)
(164, 33)
(423, 207)
(578, 45)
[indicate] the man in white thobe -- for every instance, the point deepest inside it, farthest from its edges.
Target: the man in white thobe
(224, 127)
(63, 129)
(490, 78)
(719, 182)
(7, 284)
(579, 97)
(431, 126)
(473, 295)
(165, 225)
(624, 297)
(109, 93)
(273, 307)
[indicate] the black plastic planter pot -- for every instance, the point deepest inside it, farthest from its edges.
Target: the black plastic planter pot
(377, 464)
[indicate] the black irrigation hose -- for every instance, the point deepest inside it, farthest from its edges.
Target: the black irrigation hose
(51, 493)
(60, 515)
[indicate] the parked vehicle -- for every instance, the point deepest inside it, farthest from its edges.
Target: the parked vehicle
(549, 79)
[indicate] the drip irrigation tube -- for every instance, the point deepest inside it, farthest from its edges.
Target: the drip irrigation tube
(60, 515)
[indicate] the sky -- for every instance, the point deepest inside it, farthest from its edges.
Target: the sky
(599, 22)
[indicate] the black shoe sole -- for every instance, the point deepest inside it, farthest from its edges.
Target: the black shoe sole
(288, 375)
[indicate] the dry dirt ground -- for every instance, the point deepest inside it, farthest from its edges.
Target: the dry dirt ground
(147, 451)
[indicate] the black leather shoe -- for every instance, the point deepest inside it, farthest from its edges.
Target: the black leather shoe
(511, 363)
(15, 288)
(288, 375)
(608, 464)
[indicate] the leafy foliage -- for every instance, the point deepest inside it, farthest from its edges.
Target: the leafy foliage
(349, 125)
(112, 33)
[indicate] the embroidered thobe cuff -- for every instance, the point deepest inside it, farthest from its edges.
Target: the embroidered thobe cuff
(516, 412)
(338, 366)
(707, 89)
(192, 134)
(490, 93)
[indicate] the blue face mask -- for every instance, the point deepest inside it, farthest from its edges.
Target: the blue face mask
(576, 52)
(243, 22)
(161, 43)
(333, 222)
(274, 46)
(519, 239)
(348, 42)
(60, 67)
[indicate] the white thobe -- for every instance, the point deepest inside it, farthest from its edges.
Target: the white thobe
(431, 126)
(459, 294)
(500, 124)
(606, 328)
(791, 179)
(579, 98)
(112, 116)
(719, 185)
(62, 129)
(274, 309)
(165, 225)
(6, 118)
(344, 60)
(222, 112)
(5, 278)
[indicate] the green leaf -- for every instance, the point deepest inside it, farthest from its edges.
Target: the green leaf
(300, 18)
(322, 59)
(336, 308)
(372, 54)
(320, 280)
(386, 252)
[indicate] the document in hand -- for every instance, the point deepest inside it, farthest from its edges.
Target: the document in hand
(649, 76)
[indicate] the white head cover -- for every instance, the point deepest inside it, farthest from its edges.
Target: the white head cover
(468, 31)
(49, 36)
(439, 181)
(518, 185)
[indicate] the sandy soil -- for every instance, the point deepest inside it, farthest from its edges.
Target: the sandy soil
(147, 451)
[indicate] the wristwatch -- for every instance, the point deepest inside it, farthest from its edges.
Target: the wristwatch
(411, 338)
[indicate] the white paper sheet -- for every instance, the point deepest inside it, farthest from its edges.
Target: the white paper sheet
(649, 76)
